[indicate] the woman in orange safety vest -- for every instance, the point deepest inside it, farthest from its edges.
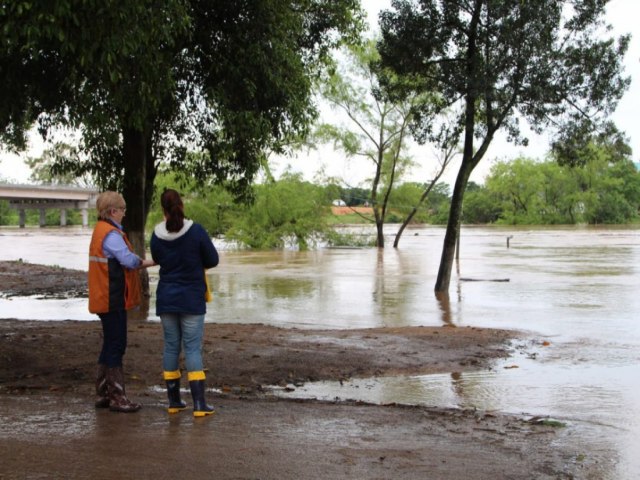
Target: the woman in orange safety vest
(114, 288)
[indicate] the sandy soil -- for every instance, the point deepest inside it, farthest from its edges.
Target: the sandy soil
(47, 368)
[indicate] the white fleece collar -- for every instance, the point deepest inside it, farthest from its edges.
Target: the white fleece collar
(161, 230)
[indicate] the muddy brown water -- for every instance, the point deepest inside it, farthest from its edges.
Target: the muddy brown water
(574, 289)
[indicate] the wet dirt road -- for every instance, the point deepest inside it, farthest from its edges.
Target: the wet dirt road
(54, 437)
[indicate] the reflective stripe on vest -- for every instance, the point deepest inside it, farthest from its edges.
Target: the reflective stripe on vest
(98, 259)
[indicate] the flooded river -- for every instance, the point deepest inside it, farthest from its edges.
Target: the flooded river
(574, 290)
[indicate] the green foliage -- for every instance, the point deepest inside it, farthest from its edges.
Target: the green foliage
(528, 192)
(212, 206)
(480, 206)
(563, 68)
(169, 71)
(216, 210)
(614, 196)
(289, 212)
(438, 203)
(339, 239)
(520, 184)
(349, 219)
(355, 196)
(577, 143)
(434, 210)
(404, 197)
(52, 217)
(8, 216)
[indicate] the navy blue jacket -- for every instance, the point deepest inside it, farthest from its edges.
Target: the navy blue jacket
(183, 257)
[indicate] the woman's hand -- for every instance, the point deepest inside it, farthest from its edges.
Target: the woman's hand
(145, 263)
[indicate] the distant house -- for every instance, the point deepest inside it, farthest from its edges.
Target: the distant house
(339, 203)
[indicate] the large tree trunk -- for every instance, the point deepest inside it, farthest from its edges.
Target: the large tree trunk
(134, 187)
(453, 229)
(150, 172)
(379, 227)
(469, 163)
(134, 191)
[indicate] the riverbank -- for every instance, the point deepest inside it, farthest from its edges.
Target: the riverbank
(46, 396)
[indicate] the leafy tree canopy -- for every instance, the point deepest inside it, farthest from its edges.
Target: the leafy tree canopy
(577, 144)
(546, 61)
(147, 81)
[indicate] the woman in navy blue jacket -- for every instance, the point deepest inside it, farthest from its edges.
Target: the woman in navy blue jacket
(184, 250)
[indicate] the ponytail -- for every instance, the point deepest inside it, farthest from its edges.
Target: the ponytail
(173, 209)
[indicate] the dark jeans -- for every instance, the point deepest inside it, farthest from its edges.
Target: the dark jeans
(114, 343)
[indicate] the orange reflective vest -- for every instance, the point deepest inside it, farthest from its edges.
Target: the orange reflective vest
(111, 286)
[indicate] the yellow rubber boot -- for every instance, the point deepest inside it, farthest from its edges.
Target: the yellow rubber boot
(196, 383)
(172, 379)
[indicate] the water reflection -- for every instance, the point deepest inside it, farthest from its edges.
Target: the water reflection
(574, 287)
(445, 308)
(65, 422)
(489, 391)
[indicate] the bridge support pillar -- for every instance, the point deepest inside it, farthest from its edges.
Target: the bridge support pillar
(85, 217)
(22, 215)
(63, 217)
(43, 217)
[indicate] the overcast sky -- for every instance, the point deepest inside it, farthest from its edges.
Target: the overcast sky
(621, 14)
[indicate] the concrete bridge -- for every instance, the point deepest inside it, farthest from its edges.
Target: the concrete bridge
(42, 197)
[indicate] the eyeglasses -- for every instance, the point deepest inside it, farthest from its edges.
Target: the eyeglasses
(124, 209)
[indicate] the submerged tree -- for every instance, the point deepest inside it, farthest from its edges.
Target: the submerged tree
(545, 61)
(288, 212)
(447, 140)
(377, 127)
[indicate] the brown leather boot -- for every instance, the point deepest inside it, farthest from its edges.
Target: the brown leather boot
(102, 395)
(118, 401)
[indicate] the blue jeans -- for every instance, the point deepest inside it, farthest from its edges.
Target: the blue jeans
(182, 329)
(114, 338)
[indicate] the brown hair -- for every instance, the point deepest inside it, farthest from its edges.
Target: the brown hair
(107, 201)
(173, 209)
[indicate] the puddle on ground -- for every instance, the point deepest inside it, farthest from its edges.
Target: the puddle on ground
(522, 386)
(62, 423)
(34, 308)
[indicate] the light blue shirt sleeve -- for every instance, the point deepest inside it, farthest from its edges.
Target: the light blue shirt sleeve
(114, 246)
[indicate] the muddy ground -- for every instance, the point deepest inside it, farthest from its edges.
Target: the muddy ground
(49, 428)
